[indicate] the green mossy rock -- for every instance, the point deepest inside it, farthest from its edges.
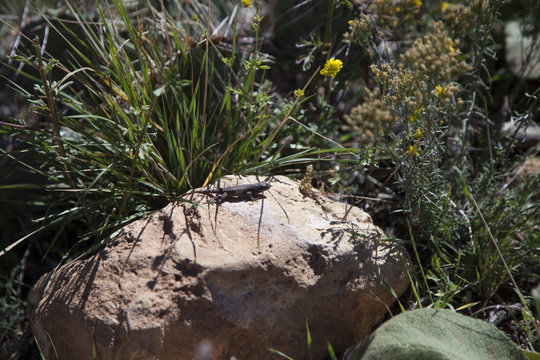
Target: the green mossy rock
(436, 334)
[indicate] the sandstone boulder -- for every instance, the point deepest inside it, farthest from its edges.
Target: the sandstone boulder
(225, 279)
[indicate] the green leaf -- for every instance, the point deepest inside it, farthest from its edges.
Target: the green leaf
(331, 352)
(536, 296)
(532, 355)
(436, 334)
(281, 354)
(308, 339)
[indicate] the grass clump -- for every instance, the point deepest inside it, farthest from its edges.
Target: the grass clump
(144, 109)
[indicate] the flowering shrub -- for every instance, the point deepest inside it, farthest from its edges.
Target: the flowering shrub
(369, 120)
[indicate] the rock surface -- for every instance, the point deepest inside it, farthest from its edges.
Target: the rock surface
(213, 281)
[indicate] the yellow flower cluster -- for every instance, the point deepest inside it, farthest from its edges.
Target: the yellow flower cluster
(459, 19)
(393, 13)
(416, 4)
(332, 67)
(413, 150)
(433, 59)
(435, 54)
(359, 31)
(246, 3)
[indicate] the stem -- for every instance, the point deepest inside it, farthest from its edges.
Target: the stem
(328, 28)
(50, 99)
(52, 109)
(56, 124)
(287, 116)
(135, 156)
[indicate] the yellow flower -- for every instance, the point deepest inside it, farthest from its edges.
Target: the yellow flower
(444, 5)
(298, 93)
(246, 3)
(414, 116)
(417, 5)
(440, 90)
(413, 150)
(332, 67)
(418, 134)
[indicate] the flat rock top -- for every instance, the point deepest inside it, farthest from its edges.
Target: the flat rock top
(263, 228)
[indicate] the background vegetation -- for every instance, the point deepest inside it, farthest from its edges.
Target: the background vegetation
(413, 110)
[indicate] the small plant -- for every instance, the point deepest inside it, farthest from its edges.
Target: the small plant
(331, 352)
(143, 112)
(369, 121)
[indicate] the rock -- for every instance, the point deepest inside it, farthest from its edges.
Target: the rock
(522, 50)
(213, 281)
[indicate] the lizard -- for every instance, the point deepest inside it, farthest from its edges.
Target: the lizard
(238, 193)
(235, 192)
